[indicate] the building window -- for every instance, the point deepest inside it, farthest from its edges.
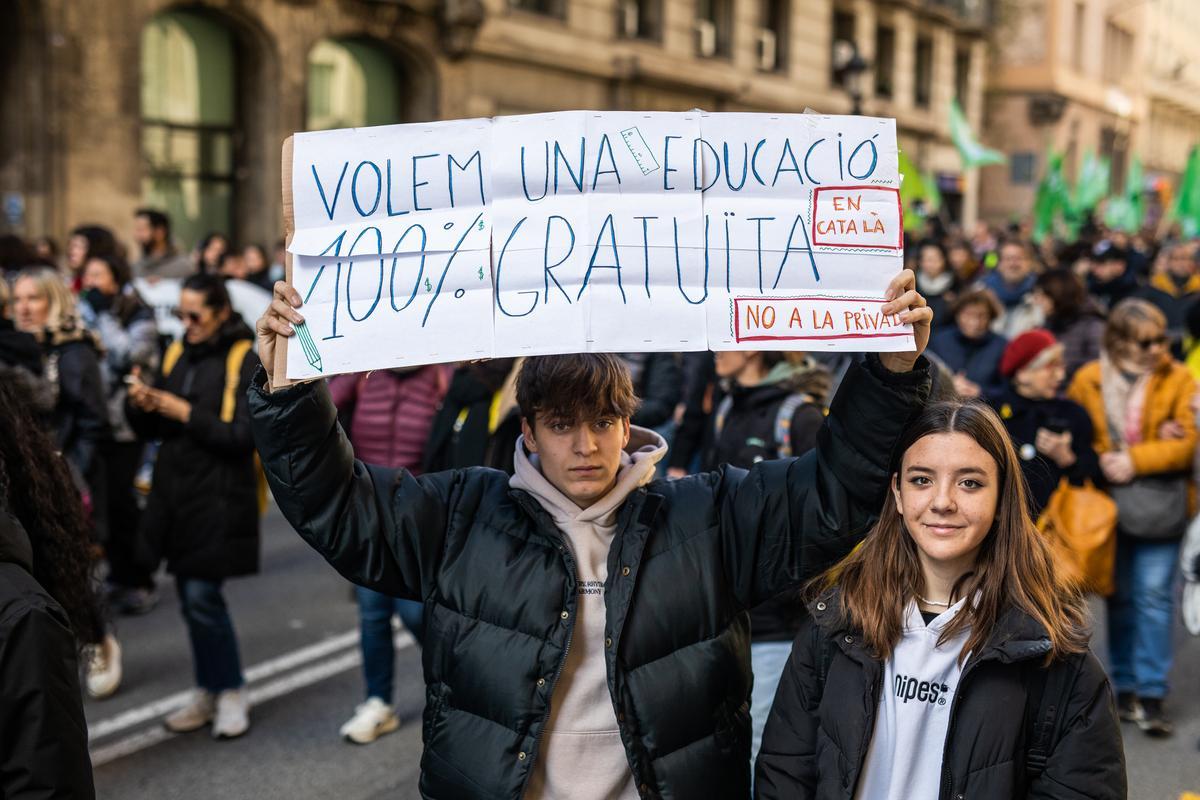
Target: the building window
(640, 19)
(1118, 53)
(1021, 169)
(885, 60)
(924, 72)
(771, 41)
(962, 76)
(843, 31)
(351, 84)
(1077, 31)
(714, 26)
(189, 118)
(546, 8)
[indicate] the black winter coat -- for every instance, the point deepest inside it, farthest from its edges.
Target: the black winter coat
(497, 578)
(79, 422)
(202, 513)
(658, 382)
(43, 735)
(815, 742)
(977, 359)
(1022, 417)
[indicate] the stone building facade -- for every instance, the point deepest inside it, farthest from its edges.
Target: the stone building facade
(1113, 77)
(112, 104)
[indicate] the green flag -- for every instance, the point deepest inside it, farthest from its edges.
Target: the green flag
(1186, 208)
(972, 153)
(1125, 211)
(914, 194)
(1091, 185)
(1051, 199)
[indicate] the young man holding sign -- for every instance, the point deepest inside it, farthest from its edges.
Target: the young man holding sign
(588, 631)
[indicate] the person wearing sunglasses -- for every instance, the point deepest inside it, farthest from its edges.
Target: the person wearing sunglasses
(203, 511)
(1140, 402)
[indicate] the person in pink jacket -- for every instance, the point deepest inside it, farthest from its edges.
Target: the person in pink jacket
(387, 415)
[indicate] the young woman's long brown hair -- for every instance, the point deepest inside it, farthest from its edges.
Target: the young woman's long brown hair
(1015, 566)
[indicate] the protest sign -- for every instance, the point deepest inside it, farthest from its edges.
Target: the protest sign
(592, 231)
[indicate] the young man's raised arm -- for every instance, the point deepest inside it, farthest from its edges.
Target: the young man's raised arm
(785, 521)
(381, 528)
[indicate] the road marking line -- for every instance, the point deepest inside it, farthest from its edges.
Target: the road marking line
(259, 672)
(262, 694)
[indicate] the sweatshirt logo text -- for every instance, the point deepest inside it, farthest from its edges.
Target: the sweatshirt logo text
(908, 688)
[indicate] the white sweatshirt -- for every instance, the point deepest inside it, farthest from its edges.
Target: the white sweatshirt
(581, 755)
(904, 761)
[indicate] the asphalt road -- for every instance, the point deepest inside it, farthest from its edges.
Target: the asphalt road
(297, 625)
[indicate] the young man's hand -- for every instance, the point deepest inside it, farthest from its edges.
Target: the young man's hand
(277, 320)
(904, 299)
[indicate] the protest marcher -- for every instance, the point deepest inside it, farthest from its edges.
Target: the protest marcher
(658, 382)
(966, 267)
(203, 510)
(771, 406)
(1131, 393)
(1051, 434)
(47, 609)
(389, 413)
(936, 281)
(86, 242)
(1110, 280)
(1012, 283)
(945, 657)
(477, 424)
(21, 362)
(970, 348)
(44, 307)
(1175, 289)
(1071, 315)
(258, 268)
(210, 250)
(160, 258)
(582, 596)
(111, 307)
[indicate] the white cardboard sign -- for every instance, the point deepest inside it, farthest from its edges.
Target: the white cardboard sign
(594, 231)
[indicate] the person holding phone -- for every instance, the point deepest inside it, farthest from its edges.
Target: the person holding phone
(1052, 435)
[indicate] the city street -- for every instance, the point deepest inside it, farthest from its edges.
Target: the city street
(296, 622)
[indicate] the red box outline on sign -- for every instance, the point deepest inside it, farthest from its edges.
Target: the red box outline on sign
(899, 211)
(737, 335)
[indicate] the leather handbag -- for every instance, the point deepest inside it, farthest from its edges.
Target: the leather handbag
(1081, 524)
(1153, 506)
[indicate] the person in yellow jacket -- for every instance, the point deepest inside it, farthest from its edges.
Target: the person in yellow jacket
(1139, 399)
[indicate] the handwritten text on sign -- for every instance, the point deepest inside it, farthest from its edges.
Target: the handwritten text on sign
(592, 231)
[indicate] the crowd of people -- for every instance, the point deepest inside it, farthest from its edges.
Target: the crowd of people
(1056, 367)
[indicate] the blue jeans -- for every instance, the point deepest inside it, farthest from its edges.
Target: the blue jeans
(375, 612)
(210, 630)
(1140, 614)
(767, 660)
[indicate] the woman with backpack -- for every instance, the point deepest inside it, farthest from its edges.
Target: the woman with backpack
(947, 656)
(203, 509)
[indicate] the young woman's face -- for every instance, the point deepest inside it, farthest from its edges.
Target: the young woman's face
(931, 262)
(98, 275)
(946, 491)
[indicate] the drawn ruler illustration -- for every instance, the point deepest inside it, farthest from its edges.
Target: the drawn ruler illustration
(636, 143)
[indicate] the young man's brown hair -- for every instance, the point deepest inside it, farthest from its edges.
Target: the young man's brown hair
(580, 386)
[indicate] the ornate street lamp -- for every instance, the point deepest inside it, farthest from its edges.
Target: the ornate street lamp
(848, 68)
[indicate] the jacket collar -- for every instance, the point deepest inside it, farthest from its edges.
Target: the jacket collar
(15, 547)
(1017, 637)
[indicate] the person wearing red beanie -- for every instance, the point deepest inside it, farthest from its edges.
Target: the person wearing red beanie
(1052, 435)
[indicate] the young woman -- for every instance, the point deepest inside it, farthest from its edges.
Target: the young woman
(934, 648)
(47, 609)
(202, 513)
(1134, 394)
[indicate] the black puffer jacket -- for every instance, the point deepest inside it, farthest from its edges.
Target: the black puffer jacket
(202, 514)
(815, 742)
(43, 735)
(688, 559)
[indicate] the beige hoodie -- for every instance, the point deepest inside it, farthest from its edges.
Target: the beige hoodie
(581, 755)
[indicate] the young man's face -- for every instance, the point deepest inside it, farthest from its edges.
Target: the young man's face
(580, 458)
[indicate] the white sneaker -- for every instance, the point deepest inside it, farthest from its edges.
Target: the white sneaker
(104, 668)
(371, 720)
(194, 716)
(233, 714)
